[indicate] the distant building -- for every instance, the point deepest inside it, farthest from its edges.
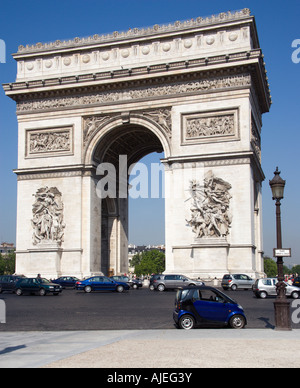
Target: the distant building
(6, 248)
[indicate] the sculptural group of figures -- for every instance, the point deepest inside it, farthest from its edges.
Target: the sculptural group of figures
(210, 213)
(47, 219)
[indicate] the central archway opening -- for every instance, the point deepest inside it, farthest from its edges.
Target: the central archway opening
(134, 153)
(147, 211)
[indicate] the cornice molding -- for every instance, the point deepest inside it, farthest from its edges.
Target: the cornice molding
(134, 33)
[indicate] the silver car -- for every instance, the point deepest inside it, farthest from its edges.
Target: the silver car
(164, 282)
(267, 287)
(237, 281)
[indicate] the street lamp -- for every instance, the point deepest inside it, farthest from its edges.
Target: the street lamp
(281, 304)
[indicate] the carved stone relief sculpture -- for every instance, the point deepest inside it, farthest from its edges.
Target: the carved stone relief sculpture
(210, 210)
(47, 220)
(49, 141)
(210, 126)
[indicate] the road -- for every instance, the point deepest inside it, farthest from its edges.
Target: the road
(132, 310)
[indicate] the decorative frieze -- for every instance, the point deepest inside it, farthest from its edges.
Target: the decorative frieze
(49, 142)
(135, 93)
(210, 126)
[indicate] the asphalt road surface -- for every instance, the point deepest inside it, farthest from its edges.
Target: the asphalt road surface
(132, 310)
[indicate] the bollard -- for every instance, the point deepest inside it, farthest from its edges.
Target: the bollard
(2, 311)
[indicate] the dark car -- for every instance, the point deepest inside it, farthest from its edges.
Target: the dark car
(206, 306)
(39, 286)
(101, 283)
(296, 282)
(133, 283)
(153, 280)
(66, 281)
(8, 282)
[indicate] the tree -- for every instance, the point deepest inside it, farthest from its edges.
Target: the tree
(296, 269)
(149, 262)
(270, 267)
(7, 264)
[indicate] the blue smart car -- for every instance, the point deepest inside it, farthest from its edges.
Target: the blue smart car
(101, 283)
(206, 306)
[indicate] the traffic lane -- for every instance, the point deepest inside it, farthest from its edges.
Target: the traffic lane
(132, 310)
(76, 310)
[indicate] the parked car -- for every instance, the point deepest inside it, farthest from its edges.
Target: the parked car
(133, 283)
(66, 281)
(40, 286)
(296, 282)
(237, 281)
(101, 283)
(206, 306)
(267, 287)
(8, 282)
(164, 282)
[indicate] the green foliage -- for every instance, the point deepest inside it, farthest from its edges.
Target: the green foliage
(296, 269)
(270, 267)
(148, 262)
(7, 264)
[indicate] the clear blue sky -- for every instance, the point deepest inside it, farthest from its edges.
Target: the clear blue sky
(32, 21)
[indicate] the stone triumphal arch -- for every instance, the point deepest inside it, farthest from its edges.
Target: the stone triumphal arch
(195, 90)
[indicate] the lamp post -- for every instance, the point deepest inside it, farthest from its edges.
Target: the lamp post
(281, 304)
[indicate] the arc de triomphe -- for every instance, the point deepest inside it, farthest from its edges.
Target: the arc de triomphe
(195, 90)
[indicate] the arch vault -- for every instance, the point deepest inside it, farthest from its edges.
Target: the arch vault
(195, 90)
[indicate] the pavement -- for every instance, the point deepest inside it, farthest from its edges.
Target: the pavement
(198, 348)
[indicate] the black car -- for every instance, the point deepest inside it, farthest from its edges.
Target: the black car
(39, 286)
(66, 281)
(296, 282)
(8, 282)
(133, 283)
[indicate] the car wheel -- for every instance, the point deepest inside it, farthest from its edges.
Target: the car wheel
(234, 287)
(161, 287)
(263, 294)
(120, 288)
(295, 295)
(42, 292)
(187, 322)
(237, 322)
(19, 292)
(88, 289)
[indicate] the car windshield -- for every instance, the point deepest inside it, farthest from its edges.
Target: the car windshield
(43, 280)
(227, 298)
